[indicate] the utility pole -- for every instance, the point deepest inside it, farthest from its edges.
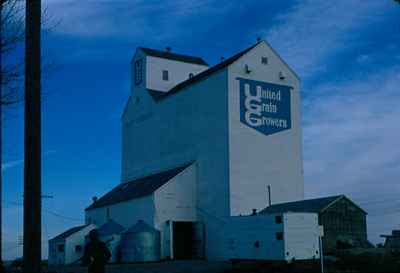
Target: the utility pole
(32, 168)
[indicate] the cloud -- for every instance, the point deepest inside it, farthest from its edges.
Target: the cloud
(126, 19)
(350, 134)
(18, 162)
(313, 30)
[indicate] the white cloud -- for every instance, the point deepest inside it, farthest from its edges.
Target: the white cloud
(18, 162)
(350, 140)
(313, 30)
(125, 19)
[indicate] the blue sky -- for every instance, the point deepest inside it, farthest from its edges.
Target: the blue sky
(347, 53)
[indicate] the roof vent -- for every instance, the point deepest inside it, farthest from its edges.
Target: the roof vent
(168, 49)
(94, 198)
(254, 212)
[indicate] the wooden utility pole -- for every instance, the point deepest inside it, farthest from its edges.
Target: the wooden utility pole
(32, 168)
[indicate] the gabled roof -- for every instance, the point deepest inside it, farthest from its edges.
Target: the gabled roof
(68, 233)
(137, 188)
(140, 226)
(202, 75)
(110, 227)
(173, 56)
(316, 205)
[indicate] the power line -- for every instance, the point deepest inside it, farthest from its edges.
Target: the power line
(56, 214)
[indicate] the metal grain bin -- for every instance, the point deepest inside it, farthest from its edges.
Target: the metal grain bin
(140, 243)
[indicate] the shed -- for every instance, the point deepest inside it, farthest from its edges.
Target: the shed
(343, 221)
(141, 243)
(392, 242)
(67, 247)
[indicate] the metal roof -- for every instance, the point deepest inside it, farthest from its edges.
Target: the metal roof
(68, 233)
(137, 188)
(140, 226)
(316, 205)
(173, 56)
(201, 75)
(110, 227)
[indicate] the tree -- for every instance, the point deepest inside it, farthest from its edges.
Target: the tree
(32, 162)
(10, 36)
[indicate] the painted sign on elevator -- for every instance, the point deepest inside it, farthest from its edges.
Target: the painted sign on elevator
(265, 106)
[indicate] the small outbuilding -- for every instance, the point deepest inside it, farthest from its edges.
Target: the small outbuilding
(141, 243)
(343, 221)
(392, 242)
(67, 247)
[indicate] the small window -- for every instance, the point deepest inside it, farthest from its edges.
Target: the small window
(279, 236)
(278, 219)
(165, 75)
(78, 248)
(191, 75)
(61, 248)
(138, 72)
(264, 60)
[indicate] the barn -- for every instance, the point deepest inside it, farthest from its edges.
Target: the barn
(343, 221)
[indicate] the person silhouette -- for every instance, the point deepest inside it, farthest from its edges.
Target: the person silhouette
(96, 253)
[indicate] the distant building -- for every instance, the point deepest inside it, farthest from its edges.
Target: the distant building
(392, 242)
(68, 247)
(343, 221)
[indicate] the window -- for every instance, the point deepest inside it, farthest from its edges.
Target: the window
(264, 60)
(278, 219)
(78, 248)
(279, 236)
(138, 72)
(61, 248)
(165, 75)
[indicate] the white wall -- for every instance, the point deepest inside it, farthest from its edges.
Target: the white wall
(125, 213)
(302, 232)
(55, 257)
(300, 237)
(177, 72)
(257, 160)
(242, 232)
(78, 238)
(175, 201)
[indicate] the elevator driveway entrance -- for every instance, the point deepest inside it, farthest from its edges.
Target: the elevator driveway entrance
(187, 240)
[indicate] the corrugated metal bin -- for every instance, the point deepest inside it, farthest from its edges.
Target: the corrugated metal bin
(141, 243)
